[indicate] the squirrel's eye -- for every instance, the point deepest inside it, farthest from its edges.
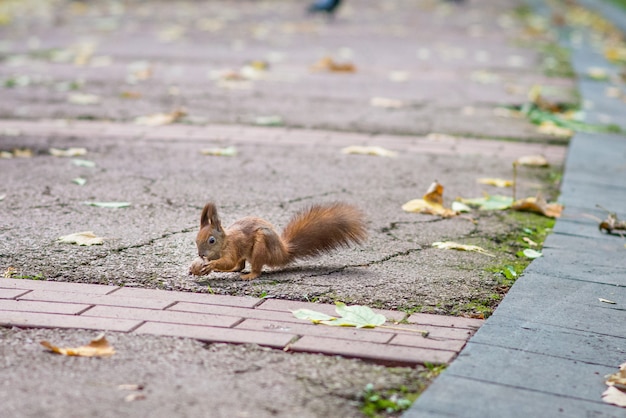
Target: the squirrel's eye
(211, 240)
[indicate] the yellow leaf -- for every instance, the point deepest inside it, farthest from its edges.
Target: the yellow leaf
(220, 152)
(327, 64)
(9, 272)
(495, 182)
(129, 94)
(70, 152)
(530, 242)
(533, 160)
(450, 245)
(538, 205)
(550, 128)
(82, 238)
(369, 150)
(159, 119)
(99, 347)
(431, 203)
(618, 379)
(17, 153)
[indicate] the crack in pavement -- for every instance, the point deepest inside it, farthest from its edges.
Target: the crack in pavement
(368, 264)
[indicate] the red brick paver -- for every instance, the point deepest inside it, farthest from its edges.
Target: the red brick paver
(229, 319)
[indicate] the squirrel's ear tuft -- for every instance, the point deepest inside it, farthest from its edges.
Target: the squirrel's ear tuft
(209, 217)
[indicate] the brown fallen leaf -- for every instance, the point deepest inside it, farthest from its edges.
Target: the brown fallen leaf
(431, 203)
(328, 64)
(615, 394)
(159, 119)
(9, 272)
(618, 379)
(538, 205)
(98, 347)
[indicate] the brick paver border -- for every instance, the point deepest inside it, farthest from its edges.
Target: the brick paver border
(229, 319)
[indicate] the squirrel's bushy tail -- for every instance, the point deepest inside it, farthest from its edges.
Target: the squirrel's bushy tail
(323, 228)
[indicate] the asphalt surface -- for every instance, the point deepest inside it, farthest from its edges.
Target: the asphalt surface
(452, 67)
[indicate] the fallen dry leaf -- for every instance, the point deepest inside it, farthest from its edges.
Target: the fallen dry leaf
(159, 119)
(129, 94)
(328, 64)
(387, 103)
(616, 392)
(495, 182)
(538, 205)
(98, 347)
(618, 379)
(70, 152)
(134, 397)
(431, 203)
(9, 272)
(83, 99)
(530, 242)
(614, 396)
(548, 127)
(17, 153)
(82, 238)
(533, 160)
(369, 150)
(220, 152)
(450, 245)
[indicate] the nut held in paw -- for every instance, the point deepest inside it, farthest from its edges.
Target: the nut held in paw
(196, 266)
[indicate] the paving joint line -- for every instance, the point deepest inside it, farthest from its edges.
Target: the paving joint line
(508, 385)
(521, 350)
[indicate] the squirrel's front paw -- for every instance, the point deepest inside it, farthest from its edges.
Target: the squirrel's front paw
(197, 267)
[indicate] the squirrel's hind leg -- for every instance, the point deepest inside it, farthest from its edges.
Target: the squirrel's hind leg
(251, 275)
(240, 266)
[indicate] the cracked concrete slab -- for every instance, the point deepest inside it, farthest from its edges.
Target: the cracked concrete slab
(151, 243)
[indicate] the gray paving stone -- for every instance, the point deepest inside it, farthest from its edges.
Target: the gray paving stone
(520, 334)
(512, 367)
(453, 396)
(567, 303)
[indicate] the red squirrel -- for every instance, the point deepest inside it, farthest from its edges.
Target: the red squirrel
(313, 231)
